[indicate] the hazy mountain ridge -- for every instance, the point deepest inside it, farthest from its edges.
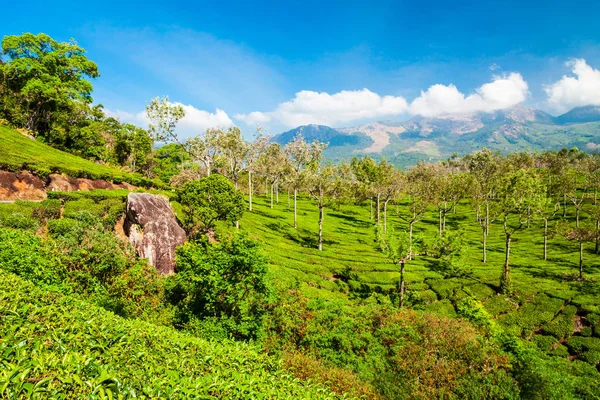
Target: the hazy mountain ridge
(404, 143)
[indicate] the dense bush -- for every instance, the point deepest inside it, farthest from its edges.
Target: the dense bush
(46, 210)
(19, 221)
(226, 281)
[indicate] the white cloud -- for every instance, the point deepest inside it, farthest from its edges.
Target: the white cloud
(195, 121)
(573, 91)
(309, 107)
(503, 92)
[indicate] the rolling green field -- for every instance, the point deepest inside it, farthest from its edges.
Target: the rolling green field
(18, 152)
(550, 306)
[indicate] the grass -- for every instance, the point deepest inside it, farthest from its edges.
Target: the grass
(56, 346)
(19, 152)
(547, 297)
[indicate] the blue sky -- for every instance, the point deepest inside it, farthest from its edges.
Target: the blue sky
(279, 64)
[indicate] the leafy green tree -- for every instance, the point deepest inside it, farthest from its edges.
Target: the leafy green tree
(253, 158)
(397, 248)
(164, 116)
(42, 79)
(273, 166)
(208, 200)
(234, 150)
(326, 185)
(449, 189)
(301, 155)
(224, 283)
(581, 235)
(132, 146)
(167, 161)
(367, 174)
(519, 191)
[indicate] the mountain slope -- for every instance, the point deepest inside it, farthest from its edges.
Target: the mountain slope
(420, 138)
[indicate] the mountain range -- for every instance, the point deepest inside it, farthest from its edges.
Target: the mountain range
(430, 139)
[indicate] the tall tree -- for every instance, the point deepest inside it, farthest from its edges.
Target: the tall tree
(301, 155)
(581, 235)
(397, 249)
(366, 173)
(519, 192)
(253, 159)
(43, 79)
(273, 166)
(234, 149)
(164, 116)
(484, 167)
(449, 189)
(326, 184)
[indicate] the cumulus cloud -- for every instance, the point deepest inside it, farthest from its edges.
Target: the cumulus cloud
(195, 121)
(573, 91)
(309, 107)
(503, 92)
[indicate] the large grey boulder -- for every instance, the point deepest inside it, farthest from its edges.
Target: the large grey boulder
(153, 230)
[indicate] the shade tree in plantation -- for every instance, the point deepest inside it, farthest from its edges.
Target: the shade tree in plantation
(484, 168)
(326, 185)
(449, 190)
(234, 151)
(273, 166)
(208, 200)
(420, 191)
(518, 192)
(205, 147)
(397, 250)
(581, 234)
(301, 155)
(391, 185)
(256, 150)
(164, 116)
(381, 185)
(366, 175)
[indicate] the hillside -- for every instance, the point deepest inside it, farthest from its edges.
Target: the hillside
(19, 152)
(81, 350)
(514, 129)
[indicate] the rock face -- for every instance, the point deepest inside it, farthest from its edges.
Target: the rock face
(153, 230)
(21, 186)
(64, 183)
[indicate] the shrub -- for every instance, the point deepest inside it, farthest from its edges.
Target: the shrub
(562, 326)
(46, 210)
(19, 221)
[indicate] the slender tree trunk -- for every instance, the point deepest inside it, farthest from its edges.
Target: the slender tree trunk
(597, 236)
(378, 217)
(410, 242)
(250, 189)
(371, 208)
(595, 195)
(444, 221)
(577, 216)
(277, 192)
(580, 260)
(385, 216)
(440, 213)
(208, 168)
(484, 244)
(564, 205)
(295, 208)
(402, 263)
(321, 216)
(545, 238)
(272, 195)
(505, 281)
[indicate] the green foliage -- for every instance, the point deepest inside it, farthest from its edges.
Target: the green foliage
(19, 221)
(208, 200)
(18, 152)
(226, 281)
(47, 210)
(83, 351)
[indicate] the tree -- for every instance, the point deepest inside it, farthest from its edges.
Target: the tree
(234, 150)
(255, 153)
(205, 148)
(519, 192)
(326, 184)
(449, 189)
(420, 192)
(132, 146)
(366, 173)
(208, 200)
(301, 155)
(581, 234)
(164, 116)
(397, 249)
(273, 166)
(43, 79)
(484, 167)
(225, 281)
(167, 161)
(392, 184)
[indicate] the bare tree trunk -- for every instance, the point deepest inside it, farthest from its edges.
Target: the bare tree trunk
(271, 195)
(597, 236)
(505, 281)
(580, 260)
(208, 168)
(321, 216)
(484, 244)
(402, 263)
(295, 208)
(545, 238)
(385, 216)
(371, 208)
(440, 212)
(378, 218)
(277, 192)
(564, 205)
(250, 189)
(577, 216)
(410, 242)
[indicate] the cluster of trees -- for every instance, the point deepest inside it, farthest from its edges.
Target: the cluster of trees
(45, 90)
